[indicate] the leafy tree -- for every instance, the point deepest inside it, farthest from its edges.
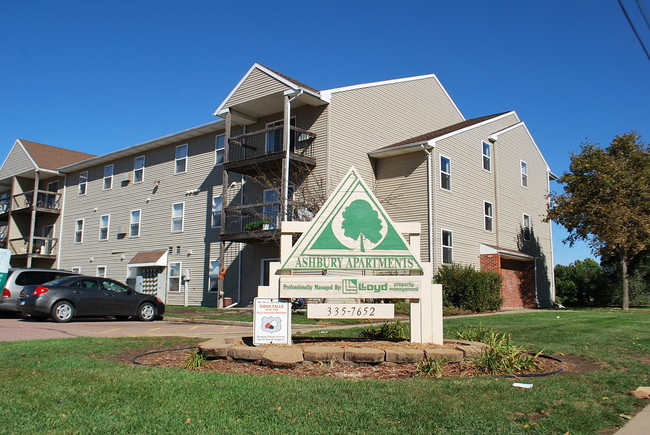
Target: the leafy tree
(582, 283)
(361, 220)
(606, 201)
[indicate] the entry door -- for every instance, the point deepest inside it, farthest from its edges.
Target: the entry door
(265, 272)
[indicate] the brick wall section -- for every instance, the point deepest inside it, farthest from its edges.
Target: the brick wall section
(518, 290)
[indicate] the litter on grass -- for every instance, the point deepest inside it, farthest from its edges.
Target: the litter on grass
(520, 385)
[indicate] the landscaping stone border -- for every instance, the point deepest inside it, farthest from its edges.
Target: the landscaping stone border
(284, 356)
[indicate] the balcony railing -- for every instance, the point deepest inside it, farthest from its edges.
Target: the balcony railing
(269, 141)
(253, 217)
(41, 246)
(44, 200)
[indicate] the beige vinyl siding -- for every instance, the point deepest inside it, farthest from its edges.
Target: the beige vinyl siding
(402, 191)
(368, 118)
(16, 163)
(258, 84)
(515, 200)
(155, 202)
(461, 209)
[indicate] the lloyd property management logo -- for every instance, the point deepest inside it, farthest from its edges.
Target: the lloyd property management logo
(352, 232)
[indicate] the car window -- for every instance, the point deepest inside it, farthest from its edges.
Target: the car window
(114, 286)
(66, 280)
(85, 283)
(32, 277)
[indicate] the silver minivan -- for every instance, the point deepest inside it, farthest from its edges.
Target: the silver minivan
(18, 278)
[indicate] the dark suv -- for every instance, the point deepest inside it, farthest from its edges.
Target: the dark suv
(19, 278)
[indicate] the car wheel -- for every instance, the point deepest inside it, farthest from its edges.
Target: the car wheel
(62, 312)
(147, 312)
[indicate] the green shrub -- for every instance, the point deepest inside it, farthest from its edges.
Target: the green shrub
(475, 333)
(388, 330)
(466, 288)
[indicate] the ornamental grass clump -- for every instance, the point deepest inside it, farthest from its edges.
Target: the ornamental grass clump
(196, 361)
(430, 367)
(503, 357)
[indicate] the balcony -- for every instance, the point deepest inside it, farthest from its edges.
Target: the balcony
(252, 222)
(43, 247)
(261, 152)
(48, 202)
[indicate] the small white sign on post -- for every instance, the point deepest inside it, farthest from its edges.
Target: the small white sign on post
(350, 311)
(272, 322)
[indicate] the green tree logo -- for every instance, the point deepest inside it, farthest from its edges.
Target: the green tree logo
(361, 221)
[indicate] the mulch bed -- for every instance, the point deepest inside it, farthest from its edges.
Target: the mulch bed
(178, 356)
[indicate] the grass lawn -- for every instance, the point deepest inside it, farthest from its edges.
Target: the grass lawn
(68, 386)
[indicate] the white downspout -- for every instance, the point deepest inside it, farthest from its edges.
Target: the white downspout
(429, 202)
(287, 151)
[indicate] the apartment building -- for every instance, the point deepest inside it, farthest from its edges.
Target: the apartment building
(31, 201)
(196, 214)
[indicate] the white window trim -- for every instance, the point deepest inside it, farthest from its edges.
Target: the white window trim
(186, 158)
(83, 224)
(485, 216)
(483, 156)
(110, 177)
(442, 247)
(523, 164)
(179, 277)
(75, 270)
(441, 172)
(144, 164)
(108, 228)
(105, 271)
(216, 150)
(212, 225)
(139, 222)
(182, 218)
(85, 184)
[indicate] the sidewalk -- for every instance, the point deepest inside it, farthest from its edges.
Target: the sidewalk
(639, 425)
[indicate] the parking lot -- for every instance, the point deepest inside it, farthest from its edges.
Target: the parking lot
(15, 329)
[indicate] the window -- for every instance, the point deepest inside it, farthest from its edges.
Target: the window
(445, 173)
(79, 231)
(526, 227)
(524, 174)
(487, 156)
(101, 271)
(104, 222)
(219, 149)
(138, 169)
(75, 269)
(181, 159)
(83, 183)
(134, 226)
(175, 277)
(217, 206)
(178, 213)
(487, 214)
(447, 247)
(108, 177)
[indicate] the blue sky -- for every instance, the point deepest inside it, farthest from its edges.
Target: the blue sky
(98, 76)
